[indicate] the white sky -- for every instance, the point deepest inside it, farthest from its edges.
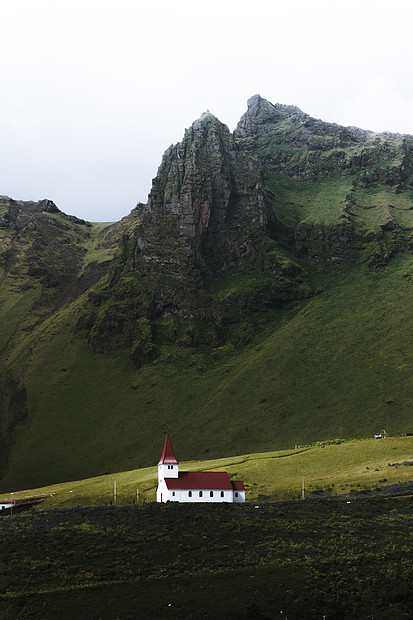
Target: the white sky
(94, 91)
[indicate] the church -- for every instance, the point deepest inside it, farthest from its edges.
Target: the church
(194, 486)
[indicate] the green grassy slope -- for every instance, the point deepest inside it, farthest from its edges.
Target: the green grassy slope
(337, 365)
(346, 467)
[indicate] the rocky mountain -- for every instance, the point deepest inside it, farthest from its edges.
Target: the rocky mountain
(250, 244)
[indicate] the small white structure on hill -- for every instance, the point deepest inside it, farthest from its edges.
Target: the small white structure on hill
(194, 486)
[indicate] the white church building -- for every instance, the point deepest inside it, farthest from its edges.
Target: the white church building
(194, 486)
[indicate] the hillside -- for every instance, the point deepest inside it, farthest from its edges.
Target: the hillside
(262, 298)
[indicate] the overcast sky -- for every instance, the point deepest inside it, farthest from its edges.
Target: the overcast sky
(94, 91)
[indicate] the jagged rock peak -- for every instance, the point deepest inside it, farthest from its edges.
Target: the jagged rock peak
(206, 119)
(257, 104)
(261, 113)
(41, 205)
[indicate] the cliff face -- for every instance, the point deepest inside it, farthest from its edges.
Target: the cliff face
(207, 216)
(341, 189)
(206, 203)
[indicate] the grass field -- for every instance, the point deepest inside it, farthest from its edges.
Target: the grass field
(337, 468)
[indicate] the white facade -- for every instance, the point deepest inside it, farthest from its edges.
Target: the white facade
(239, 496)
(163, 494)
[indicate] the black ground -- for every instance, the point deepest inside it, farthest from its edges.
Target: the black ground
(295, 560)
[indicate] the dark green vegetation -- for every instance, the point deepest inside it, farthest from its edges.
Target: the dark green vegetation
(261, 299)
(301, 560)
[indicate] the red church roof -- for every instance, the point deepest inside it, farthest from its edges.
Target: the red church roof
(200, 480)
(238, 485)
(168, 456)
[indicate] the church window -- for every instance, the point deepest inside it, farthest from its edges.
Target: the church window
(211, 494)
(200, 493)
(189, 493)
(236, 494)
(222, 493)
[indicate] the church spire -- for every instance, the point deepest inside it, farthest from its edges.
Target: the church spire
(168, 455)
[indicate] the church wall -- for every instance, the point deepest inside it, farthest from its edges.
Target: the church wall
(195, 497)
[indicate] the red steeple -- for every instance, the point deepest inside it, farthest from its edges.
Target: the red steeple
(168, 456)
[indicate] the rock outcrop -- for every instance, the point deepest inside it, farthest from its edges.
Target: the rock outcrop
(207, 209)
(207, 216)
